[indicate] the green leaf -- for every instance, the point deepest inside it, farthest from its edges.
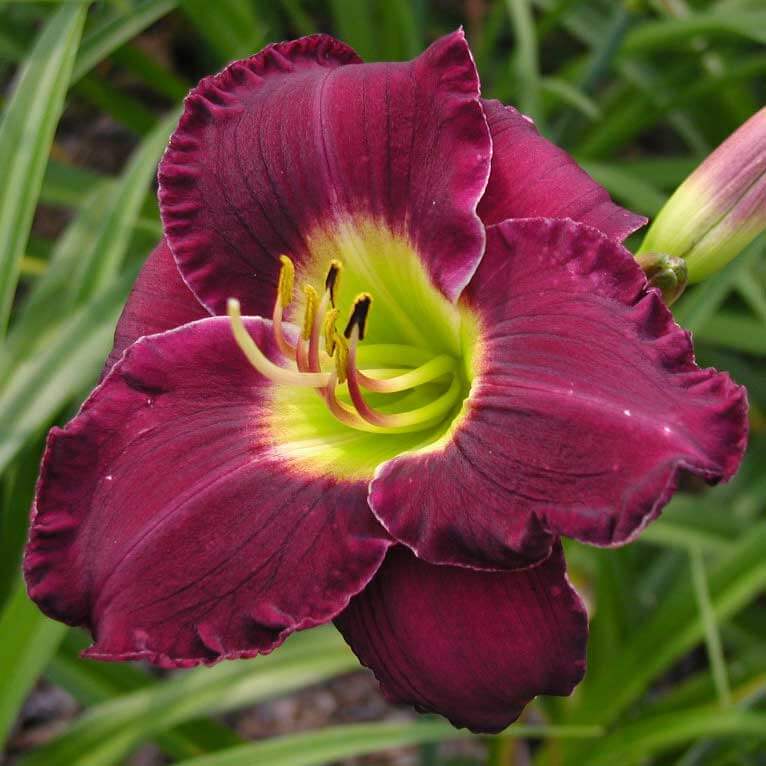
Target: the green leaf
(354, 23)
(230, 26)
(566, 93)
(626, 187)
(70, 359)
(747, 671)
(733, 330)
(28, 641)
(19, 485)
(67, 185)
(113, 101)
(91, 251)
(686, 531)
(526, 63)
(712, 634)
(637, 741)
(98, 267)
(675, 627)
(107, 732)
(93, 682)
(153, 74)
(698, 306)
(117, 29)
(333, 743)
(661, 34)
(26, 134)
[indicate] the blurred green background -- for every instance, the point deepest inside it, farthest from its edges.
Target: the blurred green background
(639, 92)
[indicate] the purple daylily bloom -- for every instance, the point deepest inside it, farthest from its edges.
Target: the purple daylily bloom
(233, 480)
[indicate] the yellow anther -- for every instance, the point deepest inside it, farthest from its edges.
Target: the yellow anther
(341, 357)
(312, 299)
(286, 281)
(328, 330)
(358, 316)
(332, 279)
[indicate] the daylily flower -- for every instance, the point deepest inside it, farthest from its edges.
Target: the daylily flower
(720, 208)
(446, 361)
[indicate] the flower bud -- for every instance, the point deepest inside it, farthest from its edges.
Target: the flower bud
(666, 272)
(720, 208)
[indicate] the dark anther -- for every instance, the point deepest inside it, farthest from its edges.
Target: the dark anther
(358, 316)
(331, 280)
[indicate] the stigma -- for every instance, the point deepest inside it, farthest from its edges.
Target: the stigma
(321, 357)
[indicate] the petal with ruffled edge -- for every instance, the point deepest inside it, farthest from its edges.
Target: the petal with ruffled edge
(533, 177)
(303, 150)
(166, 524)
(159, 301)
(475, 647)
(585, 407)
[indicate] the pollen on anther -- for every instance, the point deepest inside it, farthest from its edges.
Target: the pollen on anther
(286, 280)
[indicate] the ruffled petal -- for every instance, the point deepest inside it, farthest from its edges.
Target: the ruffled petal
(475, 647)
(533, 177)
(167, 524)
(159, 301)
(303, 150)
(585, 407)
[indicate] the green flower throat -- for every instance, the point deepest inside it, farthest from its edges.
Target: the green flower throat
(395, 379)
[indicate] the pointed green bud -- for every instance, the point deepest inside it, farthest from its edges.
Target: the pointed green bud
(720, 208)
(666, 272)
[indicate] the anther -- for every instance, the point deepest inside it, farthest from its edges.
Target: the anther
(341, 357)
(284, 298)
(332, 279)
(286, 281)
(328, 330)
(359, 314)
(312, 299)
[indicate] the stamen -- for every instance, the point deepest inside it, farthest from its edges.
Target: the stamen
(332, 279)
(389, 367)
(262, 363)
(358, 318)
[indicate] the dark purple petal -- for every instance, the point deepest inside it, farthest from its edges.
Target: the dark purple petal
(473, 646)
(168, 524)
(533, 177)
(159, 301)
(586, 406)
(302, 143)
